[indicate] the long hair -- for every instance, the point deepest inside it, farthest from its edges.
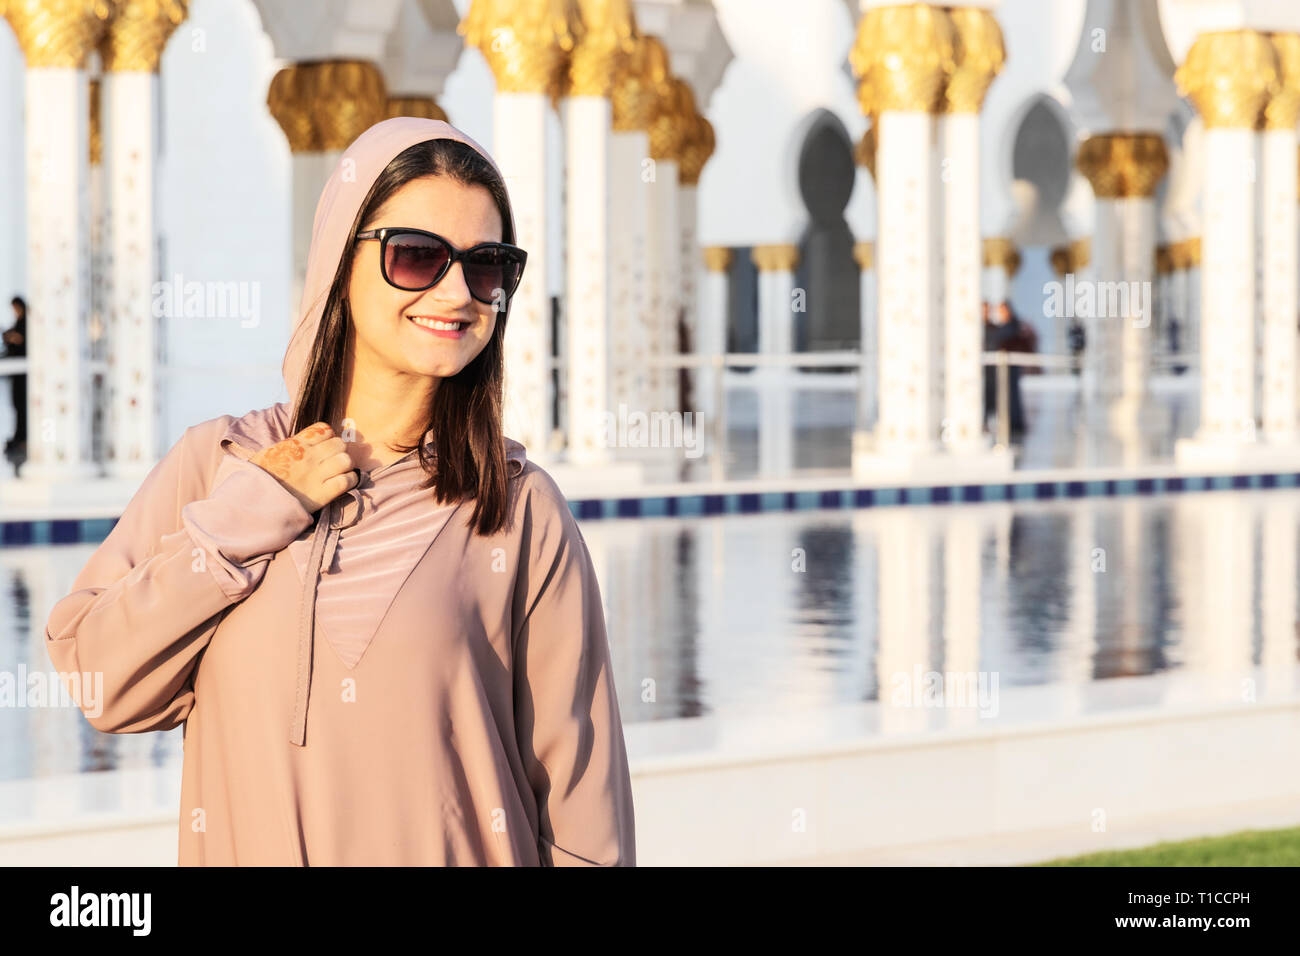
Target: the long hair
(468, 459)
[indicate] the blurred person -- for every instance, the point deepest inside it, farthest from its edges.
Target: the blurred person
(1077, 339)
(1003, 332)
(393, 651)
(15, 342)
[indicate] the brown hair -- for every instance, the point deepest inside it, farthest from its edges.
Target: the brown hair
(469, 459)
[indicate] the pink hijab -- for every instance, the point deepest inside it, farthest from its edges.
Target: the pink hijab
(340, 201)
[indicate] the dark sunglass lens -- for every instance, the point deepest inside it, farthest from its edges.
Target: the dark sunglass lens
(492, 273)
(414, 260)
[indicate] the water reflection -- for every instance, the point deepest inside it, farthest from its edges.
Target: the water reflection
(783, 613)
(788, 614)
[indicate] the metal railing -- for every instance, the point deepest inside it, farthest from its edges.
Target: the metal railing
(1001, 361)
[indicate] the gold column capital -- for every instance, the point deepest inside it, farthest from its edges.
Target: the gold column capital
(1185, 254)
(288, 100)
(1229, 76)
(527, 43)
(696, 148)
(138, 33)
(1000, 252)
(1283, 106)
(632, 98)
(425, 107)
(1080, 253)
(864, 153)
(1164, 260)
(1060, 259)
(604, 45)
(781, 257)
(717, 258)
(903, 56)
(58, 33)
(673, 114)
(978, 55)
(325, 104)
(1122, 164)
(864, 254)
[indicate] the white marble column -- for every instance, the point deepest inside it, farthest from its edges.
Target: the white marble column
(1227, 76)
(909, 325)
(774, 383)
(712, 327)
(130, 113)
(903, 57)
(962, 428)
(1228, 290)
(520, 151)
(629, 280)
(864, 254)
(590, 360)
(58, 275)
(1124, 168)
(665, 272)
(1277, 231)
(594, 68)
(979, 56)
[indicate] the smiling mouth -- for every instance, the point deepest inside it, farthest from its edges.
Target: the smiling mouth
(445, 328)
(438, 325)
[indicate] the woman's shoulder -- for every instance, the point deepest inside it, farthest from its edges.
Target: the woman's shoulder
(538, 494)
(203, 446)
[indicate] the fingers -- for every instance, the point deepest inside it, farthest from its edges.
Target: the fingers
(314, 434)
(341, 483)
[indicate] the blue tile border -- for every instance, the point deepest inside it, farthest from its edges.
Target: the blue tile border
(1028, 490)
(93, 530)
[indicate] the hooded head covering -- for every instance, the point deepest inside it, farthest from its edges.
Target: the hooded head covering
(340, 201)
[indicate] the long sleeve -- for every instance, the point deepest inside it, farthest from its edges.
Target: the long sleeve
(567, 718)
(149, 599)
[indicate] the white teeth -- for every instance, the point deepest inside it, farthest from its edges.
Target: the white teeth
(435, 324)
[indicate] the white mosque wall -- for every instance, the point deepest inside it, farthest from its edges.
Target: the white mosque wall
(789, 62)
(1040, 40)
(224, 214)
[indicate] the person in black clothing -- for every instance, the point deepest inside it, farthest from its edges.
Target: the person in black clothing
(1006, 332)
(1078, 339)
(15, 340)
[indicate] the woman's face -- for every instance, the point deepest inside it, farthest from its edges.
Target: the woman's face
(382, 316)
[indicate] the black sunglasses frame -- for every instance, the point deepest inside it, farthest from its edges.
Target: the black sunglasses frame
(457, 255)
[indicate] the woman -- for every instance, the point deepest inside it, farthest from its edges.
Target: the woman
(377, 620)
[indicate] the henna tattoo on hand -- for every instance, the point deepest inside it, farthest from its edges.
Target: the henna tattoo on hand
(276, 458)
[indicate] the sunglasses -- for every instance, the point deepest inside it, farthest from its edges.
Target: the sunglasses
(414, 260)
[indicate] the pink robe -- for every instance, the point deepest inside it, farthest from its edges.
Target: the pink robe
(479, 725)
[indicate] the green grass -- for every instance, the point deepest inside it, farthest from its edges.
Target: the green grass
(1247, 848)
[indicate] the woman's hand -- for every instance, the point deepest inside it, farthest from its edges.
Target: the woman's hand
(312, 464)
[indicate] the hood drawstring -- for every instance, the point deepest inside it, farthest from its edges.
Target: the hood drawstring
(324, 541)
